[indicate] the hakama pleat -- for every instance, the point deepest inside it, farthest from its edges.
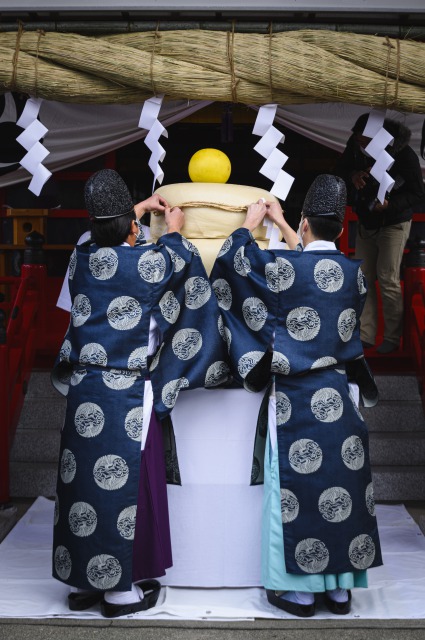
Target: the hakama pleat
(152, 541)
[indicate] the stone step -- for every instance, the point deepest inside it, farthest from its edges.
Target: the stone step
(398, 483)
(32, 479)
(40, 386)
(36, 445)
(398, 416)
(397, 449)
(43, 413)
(398, 388)
(396, 426)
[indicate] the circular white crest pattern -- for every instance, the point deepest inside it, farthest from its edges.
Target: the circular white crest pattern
(370, 499)
(152, 266)
(134, 423)
(352, 453)
(312, 555)
(156, 358)
(198, 292)
(321, 363)
(170, 307)
(77, 376)
(248, 362)
(82, 519)
(280, 275)
(362, 551)
(81, 310)
(89, 420)
(119, 379)
(138, 359)
(327, 405)
(177, 260)
(346, 324)
(190, 246)
(228, 338)
(72, 264)
(171, 390)
(124, 313)
(305, 456)
(65, 350)
(126, 523)
(361, 282)
(63, 564)
(93, 353)
(217, 373)
(241, 264)
(255, 313)
(223, 293)
(104, 572)
(280, 363)
(289, 506)
(186, 343)
(335, 504)
(283, 408)
(303, 323)
(110, 472)
(68, 466)
(328, 275)
(220, 326)
(103, 263)
(225, 247)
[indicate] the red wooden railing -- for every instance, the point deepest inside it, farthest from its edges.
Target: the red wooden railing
(23, 325)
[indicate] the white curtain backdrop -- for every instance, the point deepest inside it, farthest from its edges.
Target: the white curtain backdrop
(77, 133)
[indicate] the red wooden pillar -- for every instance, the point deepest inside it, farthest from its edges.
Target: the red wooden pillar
(414, 281)
(4, 414)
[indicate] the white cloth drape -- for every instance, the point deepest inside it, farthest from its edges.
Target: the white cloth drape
(77, 133)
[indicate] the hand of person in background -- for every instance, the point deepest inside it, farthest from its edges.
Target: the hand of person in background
(381, 207)
(359, 178)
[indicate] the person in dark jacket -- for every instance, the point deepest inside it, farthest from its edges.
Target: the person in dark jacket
(383, 228)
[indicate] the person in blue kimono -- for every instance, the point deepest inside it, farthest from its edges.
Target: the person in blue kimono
(144, 326)
(291, 323)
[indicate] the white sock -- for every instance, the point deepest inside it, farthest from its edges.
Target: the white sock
(338, 595)
(300, 597)
(125, 597)
(78, 590)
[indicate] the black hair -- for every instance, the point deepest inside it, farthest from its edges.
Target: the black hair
(324, 228)
(111, 232)
(360, 123)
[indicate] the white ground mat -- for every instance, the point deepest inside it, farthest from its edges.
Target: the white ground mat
(27, 590)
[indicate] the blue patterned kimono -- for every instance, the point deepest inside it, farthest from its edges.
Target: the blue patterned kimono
(102, 367)
(307, 305)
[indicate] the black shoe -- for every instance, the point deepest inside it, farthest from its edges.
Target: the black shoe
(82, 600)
(338, 608)
(300, 610)
(387, 347)
(150, 588)
(367, 345)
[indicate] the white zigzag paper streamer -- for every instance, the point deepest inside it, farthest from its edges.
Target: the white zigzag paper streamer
(380, 139)
(30, 140)
(149, 121)
(275, 159)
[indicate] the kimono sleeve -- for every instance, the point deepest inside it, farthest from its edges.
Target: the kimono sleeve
(192, 354)
(244, 280)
